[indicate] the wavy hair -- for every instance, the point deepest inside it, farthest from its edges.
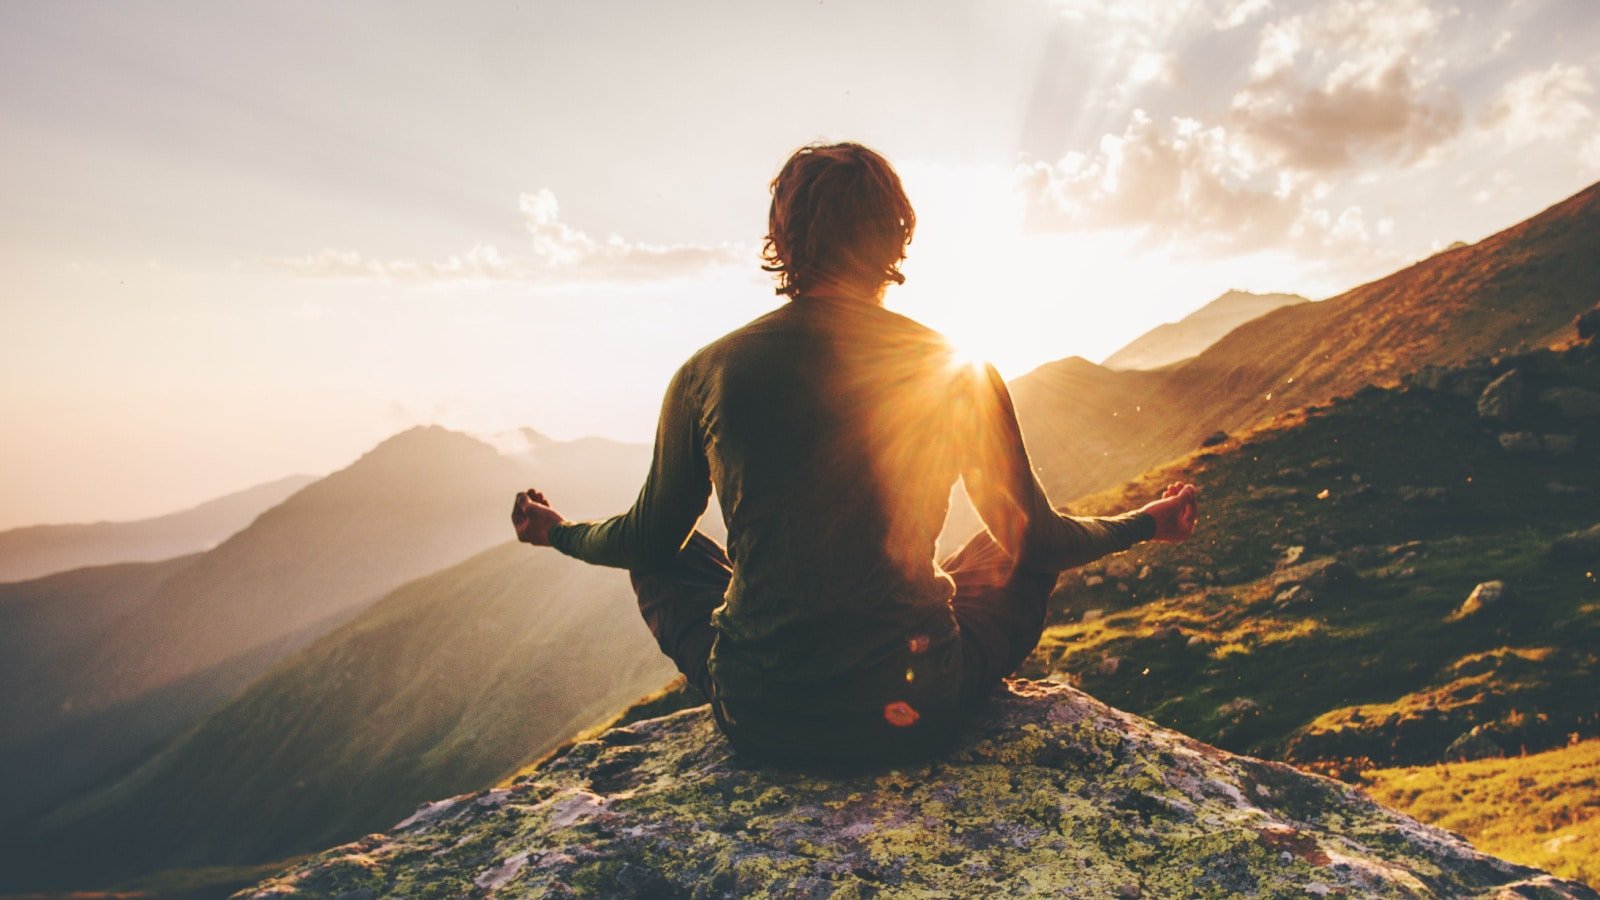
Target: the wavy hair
(839, 223)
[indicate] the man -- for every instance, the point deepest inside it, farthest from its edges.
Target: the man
(833, 431)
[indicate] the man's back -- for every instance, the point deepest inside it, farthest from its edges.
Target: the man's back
(832, 434)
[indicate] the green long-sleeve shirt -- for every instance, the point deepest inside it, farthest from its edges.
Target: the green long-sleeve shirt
(833, 431)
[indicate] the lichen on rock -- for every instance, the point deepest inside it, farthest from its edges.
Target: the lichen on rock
(1051, 793)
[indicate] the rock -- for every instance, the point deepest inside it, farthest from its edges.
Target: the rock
(1294, 595)
(1119, 569)
(1144, 573)
(1110, 664)
(1214, 438)
(1050, 792)
(1502, 399)
(1094, 581)
(1273, 493)
(1196, 640)
(1587, 323)
(1520, 443)
(1484, 595)
(1579, 546)
(1238, 709)
(1166, 633)
(1291, 555)
(1573, 402)
(1474, 744)
(1422, 496)
(1559, 445)
(1327, 465)
(1327, 573)
(1091, 615)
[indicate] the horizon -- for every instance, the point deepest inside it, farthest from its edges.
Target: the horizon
(252, 242)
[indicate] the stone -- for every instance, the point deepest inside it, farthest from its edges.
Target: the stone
(1094, 581)
(1559, 445)
(1474, 744)
(1144, 573)
(1214, 438)
(1502, 399)
(1049, 792)
(1486, 594)
(1091, 615)
(1291, 555)
(1327, 573)
(1294, 595)
(1521, 443)
(1422, 496)
(1573, 402)
(1273, 493)
(1110, 664)
(1582, 545)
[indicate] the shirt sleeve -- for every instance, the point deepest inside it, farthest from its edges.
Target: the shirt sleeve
(675, 492)
(1000, 480)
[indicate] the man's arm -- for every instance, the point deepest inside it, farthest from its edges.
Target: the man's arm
(1000, 480)
(650, 534)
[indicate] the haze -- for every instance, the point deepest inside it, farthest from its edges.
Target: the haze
(246, 240)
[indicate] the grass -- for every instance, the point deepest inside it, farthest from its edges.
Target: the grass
(1541, 810)
(1422, 503)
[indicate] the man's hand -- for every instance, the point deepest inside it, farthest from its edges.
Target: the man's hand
(1175, 513)
(532, 517)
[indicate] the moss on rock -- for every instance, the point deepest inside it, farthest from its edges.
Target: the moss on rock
(1052, 793)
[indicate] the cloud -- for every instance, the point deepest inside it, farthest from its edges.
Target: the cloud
(559, 255)
(1548, 104)
(1190, 184)
(1347, 84)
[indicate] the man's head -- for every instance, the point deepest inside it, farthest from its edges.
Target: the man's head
(839, 223)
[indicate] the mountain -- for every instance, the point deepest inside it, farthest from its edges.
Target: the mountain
(40, 550)
(1398, 578)
(169, 650)
(1513, 291)
(450, 682)
(1050, 793)
(1189, 336)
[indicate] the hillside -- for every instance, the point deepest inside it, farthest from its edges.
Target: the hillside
(1517, 289)
(1051, 793)
(446, 684)
(1189, 336)
(1320, 613)
(1539, 810)
(39, 550)
(176, 650)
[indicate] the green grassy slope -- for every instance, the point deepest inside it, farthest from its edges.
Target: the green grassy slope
(1411, 491)
(443, 686)
(1542, 809)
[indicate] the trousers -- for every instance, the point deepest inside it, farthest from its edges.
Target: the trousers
(999, 613)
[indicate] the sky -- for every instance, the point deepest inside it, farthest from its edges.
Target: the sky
(243, 240)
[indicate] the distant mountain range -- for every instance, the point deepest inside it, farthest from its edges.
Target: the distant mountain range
(1192, 334)
(40, 550)
(117, 660)
(446, 684)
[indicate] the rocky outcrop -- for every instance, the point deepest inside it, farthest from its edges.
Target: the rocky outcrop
(1052, 793)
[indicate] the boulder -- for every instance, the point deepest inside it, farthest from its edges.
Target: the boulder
(1521, 443)
(1049, 793)
(1582, 545)
(1573, 402)
(1327, 573)
(1502, 399)
(1215, 438)
(1474, 744)
(1484, 595)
